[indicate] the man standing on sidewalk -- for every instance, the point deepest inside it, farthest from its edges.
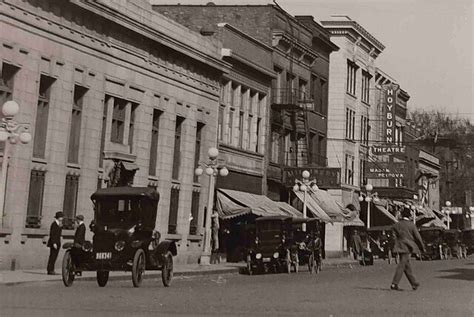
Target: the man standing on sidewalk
(54, 242)
(407, 242)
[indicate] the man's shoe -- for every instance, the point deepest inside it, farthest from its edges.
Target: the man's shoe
(415, 286)
(394, 287)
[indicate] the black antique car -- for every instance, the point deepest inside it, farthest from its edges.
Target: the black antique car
(308, 248)
(452, 243)
(468, 242)
(433, 240)
(124, 238)
(271, 249)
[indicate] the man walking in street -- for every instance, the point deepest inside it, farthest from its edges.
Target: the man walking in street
(407, 242)
(54, 242)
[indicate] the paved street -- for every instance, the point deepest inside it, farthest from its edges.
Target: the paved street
(447, 290)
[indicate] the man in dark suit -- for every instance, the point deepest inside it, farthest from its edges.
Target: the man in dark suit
(407, 242)
(54, 241)
(80, 234)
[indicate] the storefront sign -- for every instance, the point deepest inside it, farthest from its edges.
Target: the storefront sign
(385, 170)
(387, 149)
(326, 177)
(389, 104)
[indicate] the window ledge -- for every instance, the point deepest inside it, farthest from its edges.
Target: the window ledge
(173, 236)
(366, 103)
(351, 95)
(195, 237)
(73, 165)
(35, 232)
(39, 160)
(350, 140)
(5, 231)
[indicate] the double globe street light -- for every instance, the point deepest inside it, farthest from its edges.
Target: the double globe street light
(212, 168)
(368, 197)
(448, 211)
(303, 186)
(470, 216)
(10, 133)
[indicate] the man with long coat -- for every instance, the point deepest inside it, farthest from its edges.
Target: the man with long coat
(54, 241)
(407, 242)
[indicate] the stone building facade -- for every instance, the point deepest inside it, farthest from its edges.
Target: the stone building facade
(104, 82)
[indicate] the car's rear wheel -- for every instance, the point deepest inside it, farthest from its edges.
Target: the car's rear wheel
(311, 263)
(167, 271)
(68, 269)
(102, 278)
(138, 267)
(249, 265)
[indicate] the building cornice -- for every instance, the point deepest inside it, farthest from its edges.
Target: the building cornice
(245, 35)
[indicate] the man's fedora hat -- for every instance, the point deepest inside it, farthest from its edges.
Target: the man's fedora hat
(80, 217)
(59, 214)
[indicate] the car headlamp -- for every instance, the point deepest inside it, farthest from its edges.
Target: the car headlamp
(258, 256)
(276, 255)
(131, 230)
(119, 245)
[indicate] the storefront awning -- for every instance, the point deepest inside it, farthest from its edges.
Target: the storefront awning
(313, 206)
(329, 205)
(356, 222)
(233, 203)
(380, 207)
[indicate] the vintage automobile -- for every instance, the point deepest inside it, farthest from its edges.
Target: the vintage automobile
(124, 238)
(381, 241)
(433, 239)
(468, 241)
(271, 249)
(304, 241)
(452, 243)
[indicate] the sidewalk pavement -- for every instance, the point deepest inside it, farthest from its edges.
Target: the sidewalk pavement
(9, 278)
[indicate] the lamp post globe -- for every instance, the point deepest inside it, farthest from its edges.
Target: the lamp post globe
(361, 198)
(224, 172)
(303, 187)
(368, 199)
(13, 140)
(213, 153)
(10, 108)
(448, 203)
(369, 187)
(415, 197)
(198, 171)
(25, 137)
(305, 174)
(296, 188)
(209, 171)
(471, 209)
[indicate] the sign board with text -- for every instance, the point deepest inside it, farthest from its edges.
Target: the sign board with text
(390, 92)
(388, 149)
(385, 170)
(326, 177)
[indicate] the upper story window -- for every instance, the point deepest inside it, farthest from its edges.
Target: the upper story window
(365, 93)
(350, 124)
(6, 82)
(364, 130)
(42, 114)
(75, 127)
(351, 78)
(349, 170)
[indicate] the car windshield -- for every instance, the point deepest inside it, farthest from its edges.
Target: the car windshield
(118, 212)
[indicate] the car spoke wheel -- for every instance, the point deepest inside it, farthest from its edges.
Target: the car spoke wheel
(138, 268)
(102, 278)
(68, 269)
(311, 264)
(167, 271)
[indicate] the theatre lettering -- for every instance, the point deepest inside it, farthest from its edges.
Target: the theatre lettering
(390, 98)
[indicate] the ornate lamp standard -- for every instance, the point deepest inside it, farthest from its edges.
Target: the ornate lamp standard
(470, 214)
(448, 204)
(368, 198)
(303, 185)
(10, 131)
(212, 168)
(413, 208)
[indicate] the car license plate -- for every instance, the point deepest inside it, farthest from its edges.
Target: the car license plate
(103, 255)
(266, 259)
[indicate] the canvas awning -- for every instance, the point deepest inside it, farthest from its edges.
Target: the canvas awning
(234, 203)
(381, 208)
(313, 206)
(328, 204)
(356, 222)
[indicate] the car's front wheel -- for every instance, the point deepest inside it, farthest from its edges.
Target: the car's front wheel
(138, 267)
(68, 269)
(167, 271)
(102, 278)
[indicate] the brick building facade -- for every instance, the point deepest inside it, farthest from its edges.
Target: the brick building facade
(104, 83)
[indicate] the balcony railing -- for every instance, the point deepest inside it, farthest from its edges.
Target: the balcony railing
(291, 99)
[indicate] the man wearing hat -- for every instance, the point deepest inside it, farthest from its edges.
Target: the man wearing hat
(80, 235)
(54, 241)
(407, 242)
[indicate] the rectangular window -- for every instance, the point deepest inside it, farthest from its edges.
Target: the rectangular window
(324, 97)
(104, 129)
(362, 172)
(42, 112)
(249, 132)
(241, 129)
(197, 148)
(131, 130)
(350, 124)
(75, 128)
(220, 123)
(173, 216)
(351, 78)
(364, 130)
(70, 201)
(35, 199)
(177, 147)
(349, 170)
(257, 132)
(230, 127)
(194, 213)
(6, 82)
(118, 120)
(276, 146)
(155, 130)
(365, 93)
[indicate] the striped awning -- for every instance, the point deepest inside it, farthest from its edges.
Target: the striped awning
(317, 211)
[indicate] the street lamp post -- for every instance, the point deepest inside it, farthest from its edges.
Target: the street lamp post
(448, 204)
(212, 168)
(369, 196)
(303, 185)
(10, 133)
(470, 215)
(413, 208)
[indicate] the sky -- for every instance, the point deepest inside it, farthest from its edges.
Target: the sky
(428, 44)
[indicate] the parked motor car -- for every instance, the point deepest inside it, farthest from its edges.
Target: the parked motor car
(433, 239)
(453, 241)
(124, 238)
(271, 248)
(305, 243)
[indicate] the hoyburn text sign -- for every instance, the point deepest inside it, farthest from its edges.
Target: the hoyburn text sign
(390, 102)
